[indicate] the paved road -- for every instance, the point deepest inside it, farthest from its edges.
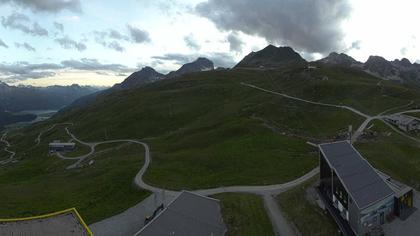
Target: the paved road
(267, 191)
(262, 190)
(362, 127)
(280, 224)
(395, 108)
(308, 101)
(401, 132)
(140, 209)
(276, 217)
(408, 111)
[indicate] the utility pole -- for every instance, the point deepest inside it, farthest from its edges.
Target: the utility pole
(350, 133)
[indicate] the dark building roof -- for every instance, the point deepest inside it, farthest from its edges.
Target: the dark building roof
(359, 178)
(188, 214)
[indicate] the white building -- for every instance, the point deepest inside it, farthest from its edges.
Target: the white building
(404, 122)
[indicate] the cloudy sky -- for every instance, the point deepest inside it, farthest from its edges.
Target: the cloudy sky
(97, 42)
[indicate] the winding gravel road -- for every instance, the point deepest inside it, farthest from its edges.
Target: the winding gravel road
(6, 149)
(266, 191)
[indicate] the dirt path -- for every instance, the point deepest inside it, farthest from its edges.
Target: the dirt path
(6, 149)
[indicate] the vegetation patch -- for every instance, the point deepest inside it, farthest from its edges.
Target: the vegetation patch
(392, 153)
(301, 210)
(244, 214)
(39, 183)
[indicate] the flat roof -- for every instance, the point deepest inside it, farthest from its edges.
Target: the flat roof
(66, 223)
(62, 144)
(188, 214)
(403, 119)
(359, 178)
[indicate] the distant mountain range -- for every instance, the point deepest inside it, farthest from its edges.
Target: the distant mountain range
(145, 76)
(15, 99)
(271, 57)
(148, 75)
(402, 70)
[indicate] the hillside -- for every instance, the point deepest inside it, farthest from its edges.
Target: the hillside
(7, 118)
(204, 129)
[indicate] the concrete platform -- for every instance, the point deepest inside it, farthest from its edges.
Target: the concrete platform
(66, 223)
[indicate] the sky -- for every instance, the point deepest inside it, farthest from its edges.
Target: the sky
(97, 42)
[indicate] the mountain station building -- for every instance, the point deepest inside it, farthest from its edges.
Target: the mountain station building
(357, 195)
(58, 146)
(404, 122)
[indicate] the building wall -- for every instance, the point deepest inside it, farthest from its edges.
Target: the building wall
(371, 216)
(354, 216)
(325, 176)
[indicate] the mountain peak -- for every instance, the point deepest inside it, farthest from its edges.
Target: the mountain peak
(145, 76)
(339, 59)
(403, 62)
(271, 56)
(201, 64)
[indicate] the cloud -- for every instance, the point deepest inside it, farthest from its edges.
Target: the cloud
(68, 43)
(25, 70)
(176, 57)
(23, 23)
(47, 5)
(192, 42)
(25, 46)
(93, 65)
(3, 44)
(235, 43)
(113, 34)
(59, 26)
(102, 37)
(138, 35)
(116, 46)
(306, 25)
(220, 59)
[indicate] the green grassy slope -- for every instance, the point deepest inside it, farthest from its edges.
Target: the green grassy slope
(39, 183)
(205, 130)
(244, 214)
(393, 154)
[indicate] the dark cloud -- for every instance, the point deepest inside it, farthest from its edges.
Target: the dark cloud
(23, 23)
(25, 46)
(235, 43)
(176, 57)
(113, 34)
(138, 35)
(68, 43)
(92, 65)
(192, 42)
(59, 26)
(46, 5)
(3, 44)
(25, 70)
(219, 59)
(307, 25)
